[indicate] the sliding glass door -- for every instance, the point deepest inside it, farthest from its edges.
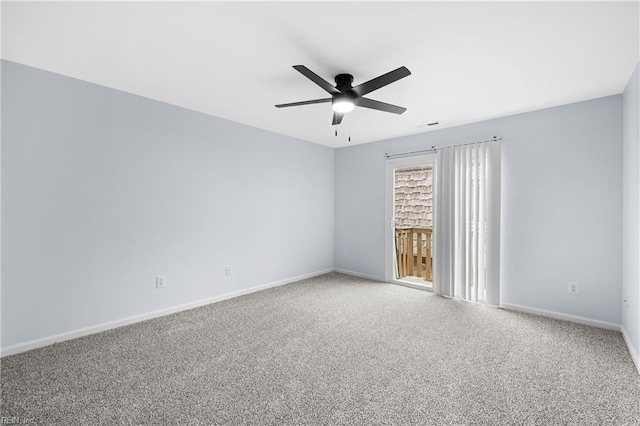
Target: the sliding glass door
(409, 234)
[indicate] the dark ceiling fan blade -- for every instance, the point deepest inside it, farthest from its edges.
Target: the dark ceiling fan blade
(380, 106)
(315, 101)
(337, 118)
(381, 81)
(316, 79)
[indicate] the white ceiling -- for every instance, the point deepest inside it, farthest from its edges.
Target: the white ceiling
(469, 61)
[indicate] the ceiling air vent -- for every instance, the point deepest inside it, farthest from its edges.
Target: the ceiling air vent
(435, 123)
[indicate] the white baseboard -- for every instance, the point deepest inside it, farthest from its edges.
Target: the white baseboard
(358, 274)
(74, 334)
(634, 355)
(560, 316)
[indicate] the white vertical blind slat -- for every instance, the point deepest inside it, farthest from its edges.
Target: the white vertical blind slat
(482, 152)
(493, 223)
(468, 173)
(476, 167)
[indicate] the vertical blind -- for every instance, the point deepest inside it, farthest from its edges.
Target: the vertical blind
(467, 222)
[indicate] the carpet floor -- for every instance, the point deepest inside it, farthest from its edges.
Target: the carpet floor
(326, 351)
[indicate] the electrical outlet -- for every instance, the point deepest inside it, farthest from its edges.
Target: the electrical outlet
(161, 281)
(574, 287)
(344, 253)
(227, 270)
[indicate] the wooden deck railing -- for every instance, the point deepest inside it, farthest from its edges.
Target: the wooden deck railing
(413, 251)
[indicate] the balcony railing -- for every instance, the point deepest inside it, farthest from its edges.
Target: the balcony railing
(413, 251)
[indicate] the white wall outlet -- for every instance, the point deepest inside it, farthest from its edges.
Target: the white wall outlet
(574, 287)
(161, 281)
(344, 253)
(227, 270)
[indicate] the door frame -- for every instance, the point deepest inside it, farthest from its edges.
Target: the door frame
(390, 259)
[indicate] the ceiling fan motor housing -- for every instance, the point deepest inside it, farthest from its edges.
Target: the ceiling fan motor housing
(343, 82)
(346, 95)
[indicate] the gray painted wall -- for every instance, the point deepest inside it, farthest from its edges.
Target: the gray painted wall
(561, 204)
(103, 190)
(631, 211)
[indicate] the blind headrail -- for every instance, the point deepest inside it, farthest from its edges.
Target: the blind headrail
(434, 149)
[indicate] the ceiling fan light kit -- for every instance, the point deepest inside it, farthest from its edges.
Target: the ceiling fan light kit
(344, 97)
(342, 103)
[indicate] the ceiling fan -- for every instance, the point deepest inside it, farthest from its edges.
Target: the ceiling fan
(345, 97)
